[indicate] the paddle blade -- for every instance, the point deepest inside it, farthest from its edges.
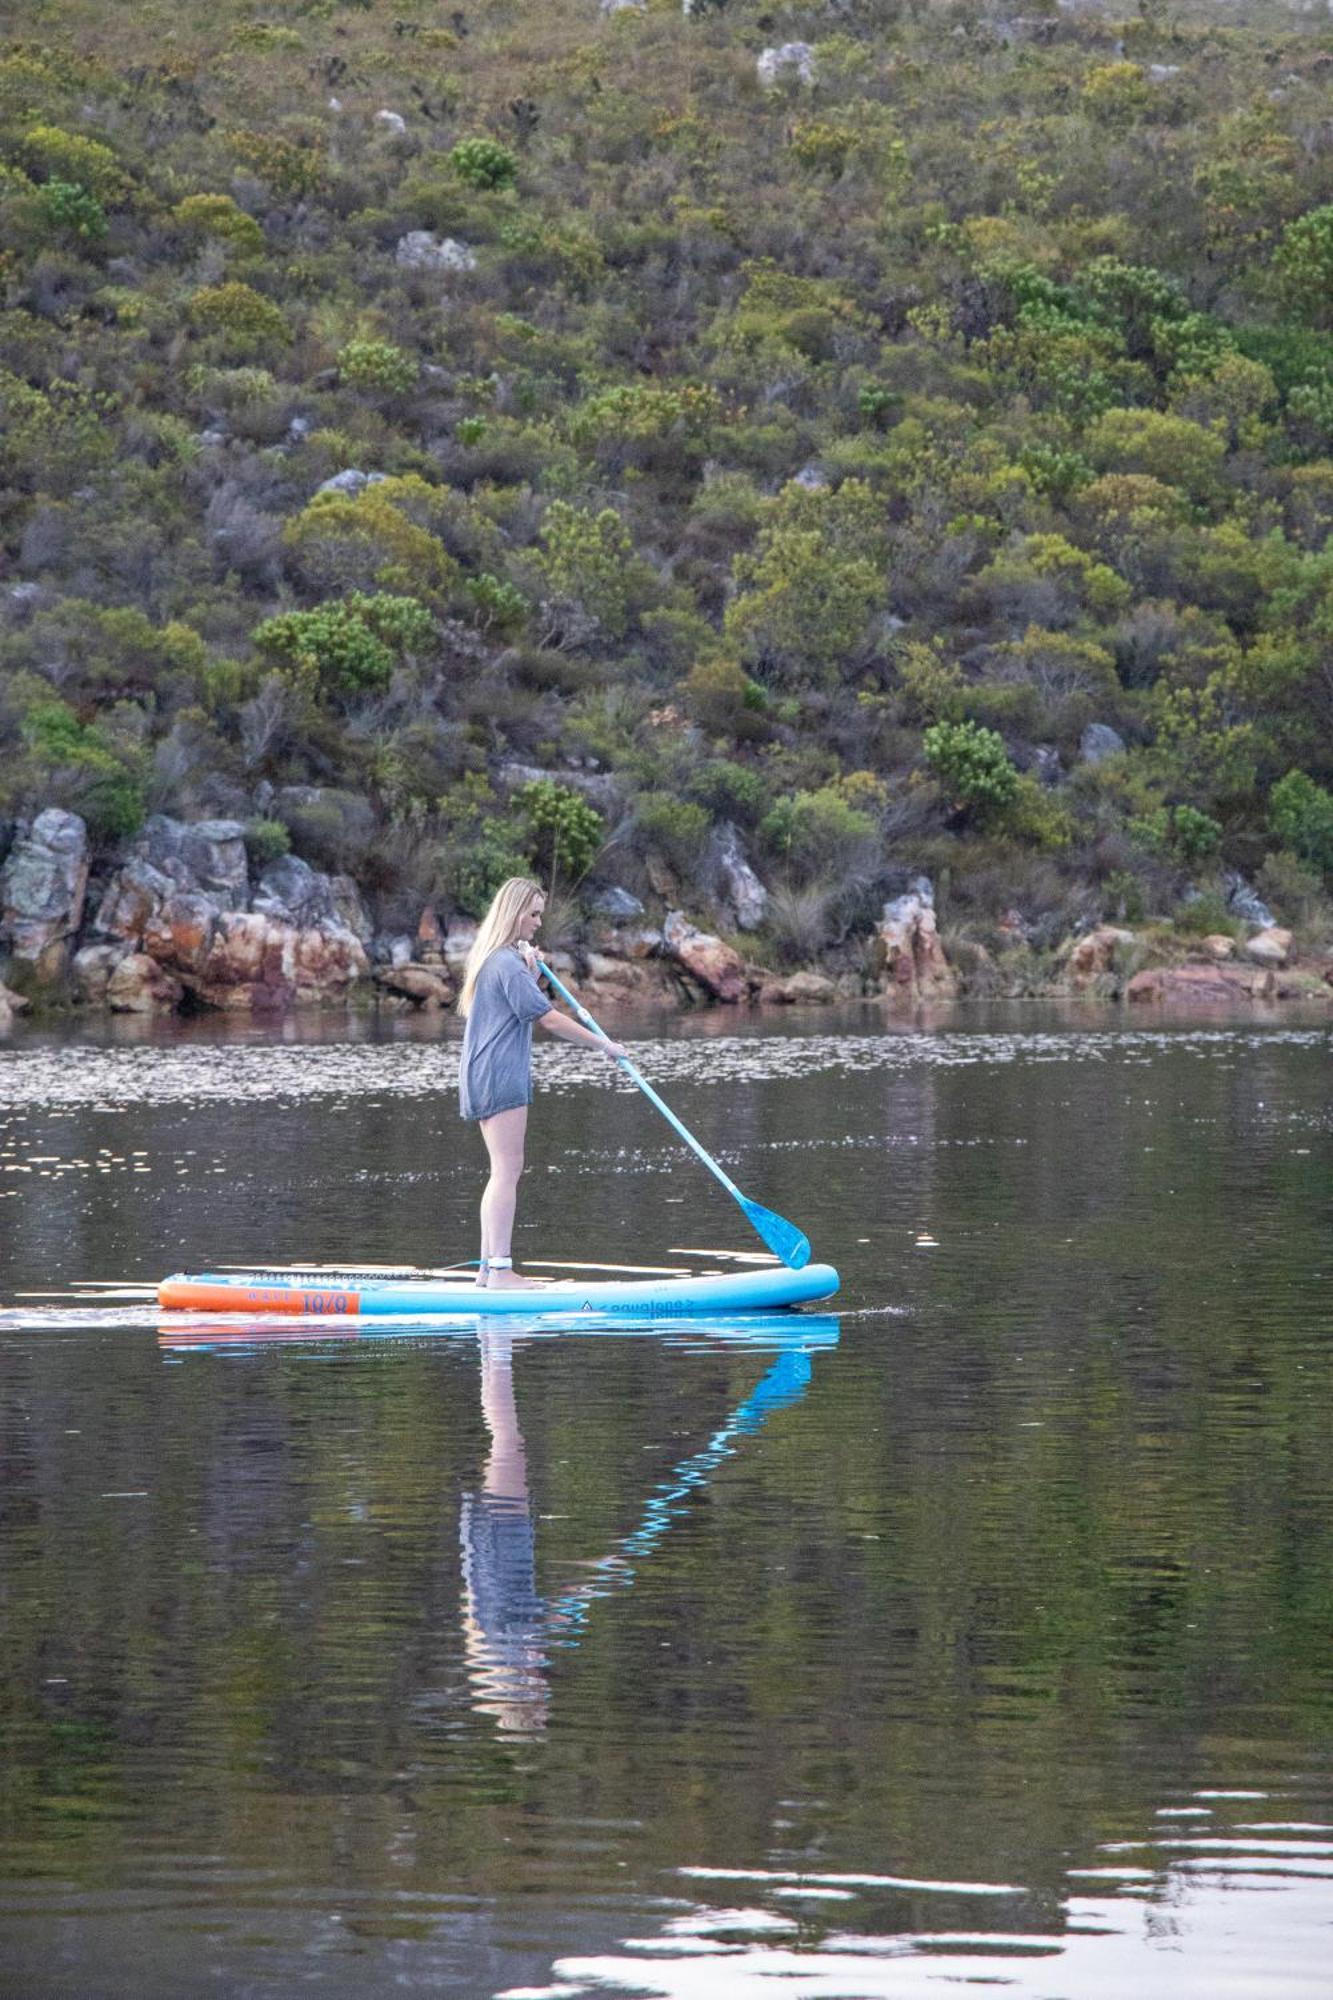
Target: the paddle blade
(783, 1238)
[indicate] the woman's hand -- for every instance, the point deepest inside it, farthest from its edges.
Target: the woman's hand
(526, 953)
(615, 1050)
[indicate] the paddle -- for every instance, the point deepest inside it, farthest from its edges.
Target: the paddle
(783, 1238)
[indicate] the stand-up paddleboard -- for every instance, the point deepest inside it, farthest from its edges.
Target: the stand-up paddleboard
(347, 1294)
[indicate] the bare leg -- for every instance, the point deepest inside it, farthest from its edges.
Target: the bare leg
(504, 1135)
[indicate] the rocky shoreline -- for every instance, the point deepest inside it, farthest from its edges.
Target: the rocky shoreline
(185, 923)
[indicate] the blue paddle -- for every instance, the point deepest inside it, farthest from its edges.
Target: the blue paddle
(783, 1238)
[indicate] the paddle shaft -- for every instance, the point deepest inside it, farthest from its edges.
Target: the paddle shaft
(636, 1077)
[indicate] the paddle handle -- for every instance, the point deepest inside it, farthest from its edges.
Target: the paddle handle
(636, 1077)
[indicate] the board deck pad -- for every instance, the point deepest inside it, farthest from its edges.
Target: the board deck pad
(340, 1292)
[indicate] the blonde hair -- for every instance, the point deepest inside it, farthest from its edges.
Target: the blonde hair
(499, 927)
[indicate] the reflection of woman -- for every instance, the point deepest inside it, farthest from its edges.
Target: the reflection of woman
(503, 1617)
(500, 1001)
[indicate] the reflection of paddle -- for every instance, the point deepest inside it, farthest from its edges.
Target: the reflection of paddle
(784, 1384)
(781, 1236)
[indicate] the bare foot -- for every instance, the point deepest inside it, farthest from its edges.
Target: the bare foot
(511, 1281)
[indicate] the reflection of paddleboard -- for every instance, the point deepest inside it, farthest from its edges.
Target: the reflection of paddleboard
(766, 1333)
(339, 1294)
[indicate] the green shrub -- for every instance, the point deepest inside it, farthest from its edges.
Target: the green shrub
(562, 832)
(586, 564)
(266, 840)
(347, 648)
(1207, 915)
(1304, 264)
(1195, 835)
(1300, 813)
(242, 318)
(818, 833)
(51, 154)
(205, 215)
(67, 206)
(675, 828)
(484, 163)
(85, 771)
(728, 790)
(377, 364)
(972, 765)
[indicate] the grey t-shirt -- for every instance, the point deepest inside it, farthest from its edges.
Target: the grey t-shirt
(497, 1044)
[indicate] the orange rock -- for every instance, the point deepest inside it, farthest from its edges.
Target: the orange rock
(716, 966)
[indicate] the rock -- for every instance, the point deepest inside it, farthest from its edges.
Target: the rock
(1199, 985)
(91, 970)
(1269, 947)
(1091, 958)
(906, 949)
(803, 989)
(42, 887)
(638, 942)
(11, 1003)
(1303, 983)
(139, 985)
(599, 787)
(351, 480)
(740, 888)
(1162, 72)
(293, 892)
(617, 904)
(1219, 946)
(426, 986)
(213, 851)
(1046, 765)
(1245, 903)
(249, 961)
(349, 908)
(459, 937)
(716, 967)
(430, 939)
(812, 478)
(392, 122)
(793, 62)
(420, 251)
(131, 898)
(1098, 742)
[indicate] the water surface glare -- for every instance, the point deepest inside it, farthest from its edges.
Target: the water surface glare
(976, 1633)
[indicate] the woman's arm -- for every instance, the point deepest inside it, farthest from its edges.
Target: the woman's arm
(570, 1030)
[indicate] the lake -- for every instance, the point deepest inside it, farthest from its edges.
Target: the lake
(979, 1630)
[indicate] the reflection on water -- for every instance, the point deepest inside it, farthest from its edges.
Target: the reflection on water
(980, 1635)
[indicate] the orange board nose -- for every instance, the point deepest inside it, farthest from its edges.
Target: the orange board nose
(194, 1295)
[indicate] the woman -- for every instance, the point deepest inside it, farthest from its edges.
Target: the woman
(500, 1001)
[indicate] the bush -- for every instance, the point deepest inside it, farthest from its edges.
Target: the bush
(728, 791)
(84, 771)
(819, 833)
(484, 163)
(266, 840)
(1300, 813)
(67, 206)
(51, 154)
(217, 215)
(562, 831)
(242, 318)
(973, 767)
(1304, 264)
(347, 648)
(377, 364)
(677, 829)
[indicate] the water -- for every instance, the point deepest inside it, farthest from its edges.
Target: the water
(978, 1632)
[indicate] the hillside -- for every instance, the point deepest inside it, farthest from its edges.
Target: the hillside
(875, 439)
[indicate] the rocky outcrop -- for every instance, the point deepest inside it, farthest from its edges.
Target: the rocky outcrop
(1271, 947)
(1199, 985)
(207, 855)
(802, 989)
(793, 62)
(738, 889)
(715, 966)
(10, 1005)
(906, 953)
(1090, 961)
(1098, 742)
(42, 888)
(424, 986)
(244, 961)
(420, 251)
(139, 985)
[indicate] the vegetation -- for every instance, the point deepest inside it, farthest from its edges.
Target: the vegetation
(603, 407)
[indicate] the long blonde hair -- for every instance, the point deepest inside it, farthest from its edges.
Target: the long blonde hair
(509, 905)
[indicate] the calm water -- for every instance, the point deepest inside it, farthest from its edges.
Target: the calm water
(979, 1632)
